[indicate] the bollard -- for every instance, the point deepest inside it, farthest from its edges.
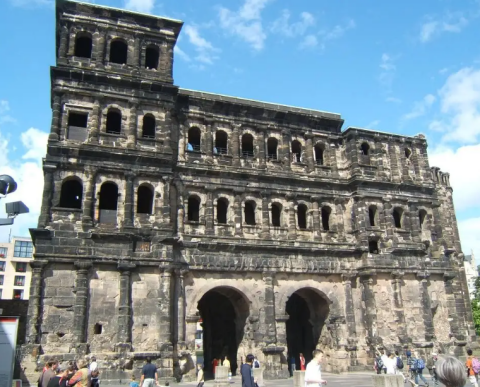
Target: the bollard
(258, 375)
(299, 378)
(387, 381)
(221, 376)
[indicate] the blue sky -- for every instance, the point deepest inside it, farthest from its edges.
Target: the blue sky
(405, 67)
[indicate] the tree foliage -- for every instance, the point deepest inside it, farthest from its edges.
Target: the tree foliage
(476, 306)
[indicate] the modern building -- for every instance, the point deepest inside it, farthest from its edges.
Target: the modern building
(164, 206)
(471, 272)
(15, 271)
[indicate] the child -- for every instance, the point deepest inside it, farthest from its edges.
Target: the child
(133, 383)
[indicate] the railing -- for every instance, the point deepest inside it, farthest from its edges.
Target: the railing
(319, 162)
(247, 154)
(193, 148)
(272, 156)
(220, 151)
(149, 137)
(117, 132)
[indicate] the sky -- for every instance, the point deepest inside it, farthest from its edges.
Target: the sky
(403, 67)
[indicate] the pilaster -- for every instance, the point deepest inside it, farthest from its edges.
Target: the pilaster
(396, 280)
(129, 200)
(269, 307)
(349, 307)
(265, 215)
(80, 310)
(367, 280)
(56, 118)
(309, 152)
(94, 122)
(35, 301)
(132, 127)
(44, 219)
(292, 221)
(209, 212)
(124, 310)
(87, 214)
(316, 218)
(426, 306)
(165, 345)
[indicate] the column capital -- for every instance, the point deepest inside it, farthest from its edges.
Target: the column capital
(166, 270)
(129, 176)
(265, 194)
(268, 276)
(126, 266)
(423, 275)
(290, 196)
(397, 274)
(83, 265)
(309, 136)
(367, 275)
(449, 275)
(209, 188)
(38, 264)
(282, 317)
(349, 277)
(192, 318)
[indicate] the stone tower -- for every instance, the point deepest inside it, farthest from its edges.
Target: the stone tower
(188, 226)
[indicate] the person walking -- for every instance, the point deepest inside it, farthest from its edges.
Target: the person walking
(214, 366)
(302, 362)
(419, 366)
(149, 376)
(226, 363)
(451, 372)
(293, 364)
(313, 373)
(473, 368)
(47, 373)
(400, 365)
(200, 376)
(391, 364)
(82, 376)
(55, 381)
(247, 372)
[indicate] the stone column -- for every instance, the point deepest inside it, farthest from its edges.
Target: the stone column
(265, 216)
(332, 157)
(316, 218)
(191, 330)
(370, 311)
(181, 216)
(44, 219)
(235, 145)
(269, 307)
(284, 149)
(262, 154)
(170, 115)
(166, 200)
(100, 48)
(207, 145)
(94, 123)
(87, 214)
(415, 224)
(135, 61)
(349, 307)
(309, 152)
(292, 222)
(129, 200)
(238, 213)
(35, 301)
(165, 346)
(426, 306)
(398, 308)
(209, 212)
(62, 47)
(281, 329)
(80, 310)
(181, 306)
(132, 127)
(451, 306)
(124, 310)
(56, 118)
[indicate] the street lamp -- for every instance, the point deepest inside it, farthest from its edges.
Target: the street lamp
(7, 186)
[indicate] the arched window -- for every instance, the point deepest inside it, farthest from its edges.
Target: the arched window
(221, 143)
(71, 194)
(326, 211)
(276, 215)
(83, 45)
(222, 210)
(408, 153)
(193, 209)
(108, 203)
(373, 247)
(247, 146)
(296, 151)
(397, 217)
(319, 154)
(249, 213)
(118, 51)
(194, 137)
(422, 214)
(148, 128)
(365, 149)
(151, 57)
(114, 121)
(302, 216)
(372, 215)
(144, 199)
(272, 145)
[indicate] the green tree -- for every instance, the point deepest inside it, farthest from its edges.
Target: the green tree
(476, 305)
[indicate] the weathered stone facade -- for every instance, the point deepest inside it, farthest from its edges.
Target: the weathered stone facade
(164, 206)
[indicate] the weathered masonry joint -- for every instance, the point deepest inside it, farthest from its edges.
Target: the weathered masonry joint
(188, 226)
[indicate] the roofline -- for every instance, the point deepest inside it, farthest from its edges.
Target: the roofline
(416, 137)
(270, 105)
(60, 2)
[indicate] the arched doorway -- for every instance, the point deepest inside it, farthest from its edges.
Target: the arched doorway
(223, 311)
(307, 310)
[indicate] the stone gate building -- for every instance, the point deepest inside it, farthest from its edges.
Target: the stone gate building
(277, 230)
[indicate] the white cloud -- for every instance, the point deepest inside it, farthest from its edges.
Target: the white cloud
(206, 53)
(181, 54)
(4, 109)
(420, 107)
(387, 70)
(31, 3)
(460, 107)
(339, 30)
(470, 236)
(282, 25)
(144, 6)
(309, 41)
(29, 177)
(393, 100)
(464, 175)
(448, 23)
(245, 23)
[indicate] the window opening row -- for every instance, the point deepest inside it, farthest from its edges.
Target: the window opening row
(397, 217)
(118, 51)
(365, 150)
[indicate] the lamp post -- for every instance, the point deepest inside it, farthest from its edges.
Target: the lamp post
(7, 186)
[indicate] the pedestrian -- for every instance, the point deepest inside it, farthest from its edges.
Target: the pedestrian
(451, 372)
(419, 366)
(400, 365)
(410, 364)
(473, 367)
(133, 382)
(226, 363)
(214, 365)
(431, 365)
(67, 375)
(247, 372)
(48, 372)
(378, 363)
(313, 373)
(302, 362)
(256, 363)
(94, 372)
(383, 356)
(149, 374)
(93, 364)
(55, 381)
(82, 376)
(200, 376)
(391, 364)
(293, 364)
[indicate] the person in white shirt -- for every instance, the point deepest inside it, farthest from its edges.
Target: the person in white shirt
(93, 364)
(313, 373)
(391, 364)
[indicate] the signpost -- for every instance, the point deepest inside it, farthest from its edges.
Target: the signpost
(8, 340)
